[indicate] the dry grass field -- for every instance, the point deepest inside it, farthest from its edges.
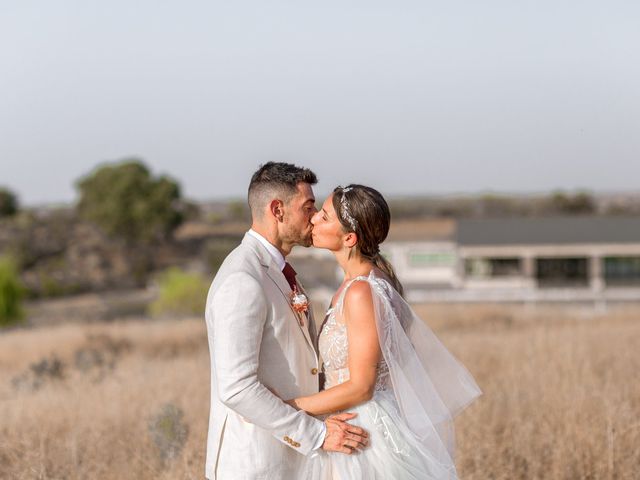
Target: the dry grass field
(129, 400)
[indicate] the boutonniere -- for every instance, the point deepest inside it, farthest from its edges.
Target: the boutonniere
(299, 302)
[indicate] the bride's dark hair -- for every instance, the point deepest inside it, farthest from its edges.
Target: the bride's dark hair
(364, 211)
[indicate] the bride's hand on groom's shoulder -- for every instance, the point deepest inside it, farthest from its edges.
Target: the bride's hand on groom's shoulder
(342, 436)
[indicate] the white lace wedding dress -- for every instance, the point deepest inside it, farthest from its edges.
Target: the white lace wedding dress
(409, 418)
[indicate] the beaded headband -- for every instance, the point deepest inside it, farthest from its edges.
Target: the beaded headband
(346, 214)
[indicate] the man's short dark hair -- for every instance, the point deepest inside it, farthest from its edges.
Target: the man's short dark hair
(276, 180)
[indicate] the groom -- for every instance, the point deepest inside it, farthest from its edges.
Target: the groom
(260, 344)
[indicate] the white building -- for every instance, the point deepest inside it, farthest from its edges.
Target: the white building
(518, 259)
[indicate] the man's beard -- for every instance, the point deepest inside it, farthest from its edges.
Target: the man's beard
(306, 241)
(300, 238)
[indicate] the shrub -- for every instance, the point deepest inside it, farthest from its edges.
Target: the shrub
(169, 432)
(47, 370)
(181, 293)
(11, 293)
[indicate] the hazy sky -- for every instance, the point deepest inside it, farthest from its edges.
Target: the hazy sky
(407, 96)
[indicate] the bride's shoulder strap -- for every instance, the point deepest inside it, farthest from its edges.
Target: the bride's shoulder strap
(340, 302)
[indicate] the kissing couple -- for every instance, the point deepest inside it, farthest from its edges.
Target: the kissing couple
(390, 389)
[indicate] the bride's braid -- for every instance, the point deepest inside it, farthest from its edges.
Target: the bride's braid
(364, 211)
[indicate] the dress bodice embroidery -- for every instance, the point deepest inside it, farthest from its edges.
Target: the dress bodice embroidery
(334, 351)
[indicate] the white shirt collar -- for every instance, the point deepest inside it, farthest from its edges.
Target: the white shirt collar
(273, 251)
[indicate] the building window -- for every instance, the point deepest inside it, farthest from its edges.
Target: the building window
(562, 272)
(431, 259)
(622, 270)
(493, 267)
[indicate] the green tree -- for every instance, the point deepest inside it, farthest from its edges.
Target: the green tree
(11, 293)
(126, 201)
(8, 202)
(579, 203)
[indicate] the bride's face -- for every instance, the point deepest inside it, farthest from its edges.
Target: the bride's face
(327, 230)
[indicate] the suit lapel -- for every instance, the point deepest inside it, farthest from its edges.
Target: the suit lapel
(281, 282)
(285, 289)
(311, 322)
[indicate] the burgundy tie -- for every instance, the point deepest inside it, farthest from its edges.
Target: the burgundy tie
(290, 275)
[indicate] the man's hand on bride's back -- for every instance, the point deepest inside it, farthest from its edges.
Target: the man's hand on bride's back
(342, 436)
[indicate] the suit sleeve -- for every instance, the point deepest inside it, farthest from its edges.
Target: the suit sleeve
(236, 317)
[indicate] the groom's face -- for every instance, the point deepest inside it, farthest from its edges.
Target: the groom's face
(296, 227)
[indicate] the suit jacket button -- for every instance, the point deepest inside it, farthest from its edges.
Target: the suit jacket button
(286, 439)
(314, 371)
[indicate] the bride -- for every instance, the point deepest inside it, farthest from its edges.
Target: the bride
(379, 359)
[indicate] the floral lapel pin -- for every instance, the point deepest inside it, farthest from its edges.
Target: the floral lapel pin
(300, 304)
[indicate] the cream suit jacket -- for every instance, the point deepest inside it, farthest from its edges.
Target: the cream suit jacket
(257, 343)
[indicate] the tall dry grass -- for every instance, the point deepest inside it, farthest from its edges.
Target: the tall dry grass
(561, 395)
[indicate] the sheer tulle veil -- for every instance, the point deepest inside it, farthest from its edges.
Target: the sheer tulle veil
(430, 385)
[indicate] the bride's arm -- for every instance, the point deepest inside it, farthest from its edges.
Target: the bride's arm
(364, 355)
